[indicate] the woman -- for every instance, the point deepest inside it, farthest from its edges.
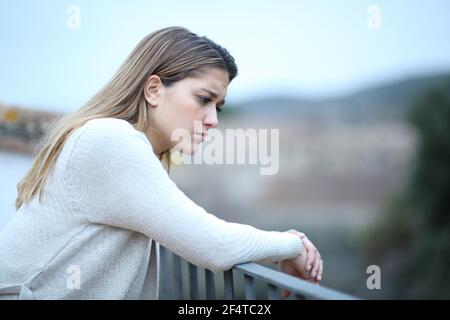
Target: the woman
(105, 199)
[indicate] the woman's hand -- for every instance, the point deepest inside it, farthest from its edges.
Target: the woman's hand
(307, 266)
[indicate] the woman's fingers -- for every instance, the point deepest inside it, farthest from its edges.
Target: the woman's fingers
(310, 260)
(300, 234)
(319, 276)
(313, 263)
(286, 293)
(316, 266)
(311, 253)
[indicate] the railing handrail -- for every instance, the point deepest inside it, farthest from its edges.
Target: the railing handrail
(296, 285)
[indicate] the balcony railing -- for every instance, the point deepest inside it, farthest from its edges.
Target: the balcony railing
(178, 273)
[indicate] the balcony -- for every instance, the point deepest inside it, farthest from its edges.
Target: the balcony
(182, 280)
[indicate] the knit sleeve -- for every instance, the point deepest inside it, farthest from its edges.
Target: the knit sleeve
(114, 178)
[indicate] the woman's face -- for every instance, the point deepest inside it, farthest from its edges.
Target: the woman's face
(181, 113)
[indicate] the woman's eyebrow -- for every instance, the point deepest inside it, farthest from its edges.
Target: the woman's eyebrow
(214, 95)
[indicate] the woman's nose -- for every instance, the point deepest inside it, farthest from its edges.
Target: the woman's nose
(211, 118)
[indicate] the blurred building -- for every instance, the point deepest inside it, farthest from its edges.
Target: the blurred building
(21, 128)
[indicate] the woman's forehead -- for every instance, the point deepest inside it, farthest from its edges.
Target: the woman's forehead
(216, 82)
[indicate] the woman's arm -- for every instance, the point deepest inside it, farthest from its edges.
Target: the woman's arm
(114, 178)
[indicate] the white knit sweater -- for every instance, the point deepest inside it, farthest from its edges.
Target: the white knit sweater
(108, 204)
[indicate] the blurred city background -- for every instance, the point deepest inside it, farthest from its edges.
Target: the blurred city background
(360, 92)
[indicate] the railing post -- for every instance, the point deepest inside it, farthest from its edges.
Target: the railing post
(249, 283)
(299, 296)
(228, 282)
(193, 283)
(272, 292)
(165, 281)
(177, 285)
(210, 285)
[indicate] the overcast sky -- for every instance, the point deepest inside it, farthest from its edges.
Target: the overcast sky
(305, 48)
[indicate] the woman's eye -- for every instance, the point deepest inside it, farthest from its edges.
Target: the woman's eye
(204, 100)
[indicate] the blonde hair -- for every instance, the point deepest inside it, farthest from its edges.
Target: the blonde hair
(172, 53)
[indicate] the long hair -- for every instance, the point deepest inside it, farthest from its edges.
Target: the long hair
(172, 53)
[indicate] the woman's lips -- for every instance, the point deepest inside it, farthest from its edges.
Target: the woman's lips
(203, 135)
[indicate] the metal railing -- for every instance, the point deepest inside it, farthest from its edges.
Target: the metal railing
(172, 281)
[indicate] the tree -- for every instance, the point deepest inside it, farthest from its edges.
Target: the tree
(414, 231)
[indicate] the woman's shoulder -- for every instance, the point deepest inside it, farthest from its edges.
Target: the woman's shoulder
(108, 124)
(99, 129)
(106, 136)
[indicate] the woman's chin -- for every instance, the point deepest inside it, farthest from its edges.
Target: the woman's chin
(190, 147)
(189, 150)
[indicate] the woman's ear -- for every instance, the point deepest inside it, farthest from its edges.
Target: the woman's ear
(153, 90)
